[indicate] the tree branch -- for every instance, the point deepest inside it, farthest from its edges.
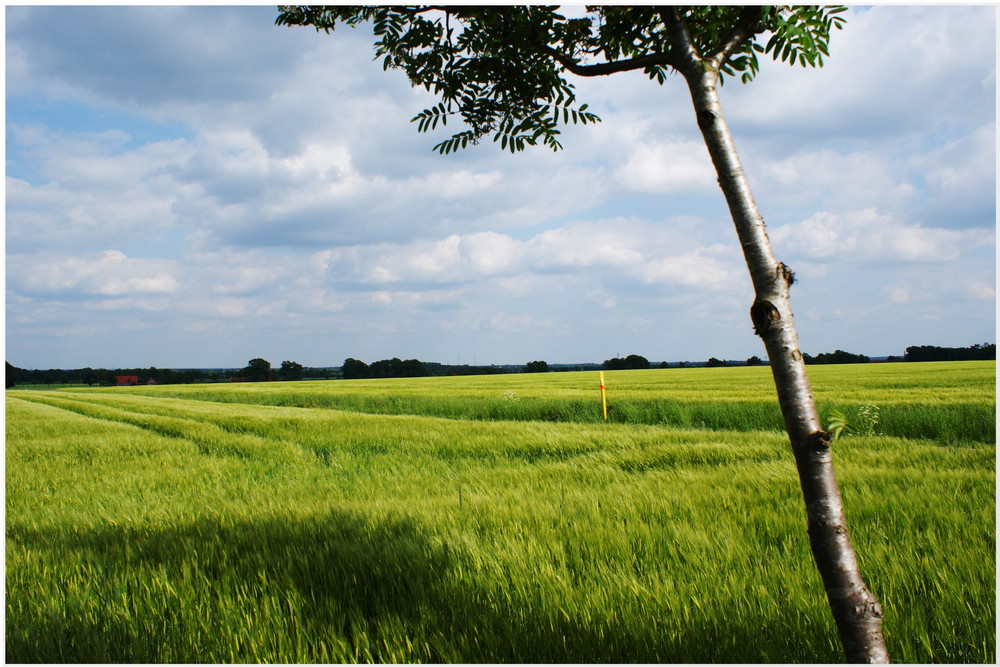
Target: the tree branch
(601, 69)
(687, 55)
(747, 25)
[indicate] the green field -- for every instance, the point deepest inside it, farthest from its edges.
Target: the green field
(492, 519)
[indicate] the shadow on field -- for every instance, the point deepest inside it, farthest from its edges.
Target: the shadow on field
(338, 588)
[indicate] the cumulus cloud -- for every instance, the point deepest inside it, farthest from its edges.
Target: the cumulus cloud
(667, 166)
(833, 180)
(853, 97)
(110, 273)
(90, 189)
(239, 186)
(170, 48)
(867, 235)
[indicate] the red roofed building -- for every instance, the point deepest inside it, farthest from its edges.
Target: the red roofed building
(126, 380)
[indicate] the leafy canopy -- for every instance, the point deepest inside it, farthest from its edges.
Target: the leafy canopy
(502, 69)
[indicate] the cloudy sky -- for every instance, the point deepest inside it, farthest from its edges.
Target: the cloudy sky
(196, 187)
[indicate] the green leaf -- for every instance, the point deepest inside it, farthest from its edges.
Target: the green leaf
(837, 424)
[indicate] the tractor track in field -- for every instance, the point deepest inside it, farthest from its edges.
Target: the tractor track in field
(167, 425)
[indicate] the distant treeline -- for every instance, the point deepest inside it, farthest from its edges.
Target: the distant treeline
(395, 367)
(631, 362)
(838, 357)
(104, 376)
(984, 352)
(354, 369)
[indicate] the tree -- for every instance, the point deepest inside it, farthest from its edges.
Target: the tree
(502, 70)
(636, 361)
(986, 351)
(755, 361)
(631, 362)
(354, 369)
(290, 370)
(616, 364)
(10, 377)
(536, 367)
(714, 363)
(387, 368)
(837, 357)
(258, 370)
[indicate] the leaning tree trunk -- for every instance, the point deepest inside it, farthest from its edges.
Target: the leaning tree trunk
(856, 610)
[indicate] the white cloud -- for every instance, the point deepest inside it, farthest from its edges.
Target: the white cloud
(854, 96)
(90, 191)
(667, 166)
(840, 181)
(868, 235)
(264, 187)
(695, 269)
(109, 273)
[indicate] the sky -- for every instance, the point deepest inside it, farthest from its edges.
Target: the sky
(193, 187)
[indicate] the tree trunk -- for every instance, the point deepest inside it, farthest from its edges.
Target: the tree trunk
(855, 609)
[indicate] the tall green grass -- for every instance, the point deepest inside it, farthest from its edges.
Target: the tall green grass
(945, 401)
(148, 528)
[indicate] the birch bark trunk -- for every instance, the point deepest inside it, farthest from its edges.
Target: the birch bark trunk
(856, 610)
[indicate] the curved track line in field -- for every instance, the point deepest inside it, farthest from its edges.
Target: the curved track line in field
(215, 427)
(209, 438)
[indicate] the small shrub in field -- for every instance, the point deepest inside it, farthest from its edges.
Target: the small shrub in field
(866, 423)
(868, 419)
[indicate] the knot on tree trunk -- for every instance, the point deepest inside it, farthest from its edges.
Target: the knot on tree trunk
(764, 315)
(814, 448)
(819, 441)
(706, 119)
(786, 273)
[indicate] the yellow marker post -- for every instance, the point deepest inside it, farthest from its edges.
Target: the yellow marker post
(604, 398)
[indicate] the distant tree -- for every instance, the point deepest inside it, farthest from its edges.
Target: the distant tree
(437, 369)
(10, 376)
(838, 357)
(616, 364)
(258, 370)
(390, 368)
(663, 364)
(977, 352)
(536, 367)
(386, 368)
(986, 351)
(755, 361)
(354, 369)
(314, 373)
(714, 363)
(290, 370)
(631, 362)
(413, 368)
(503, 71)
(636, 362)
